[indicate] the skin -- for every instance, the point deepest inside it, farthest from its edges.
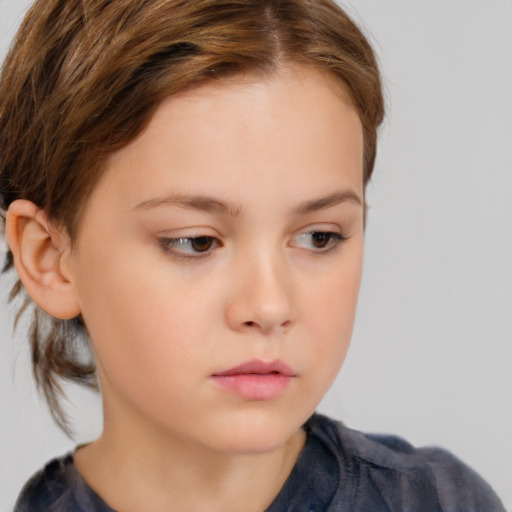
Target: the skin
(163, 317)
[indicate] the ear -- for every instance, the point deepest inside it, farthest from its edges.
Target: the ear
(40, 251)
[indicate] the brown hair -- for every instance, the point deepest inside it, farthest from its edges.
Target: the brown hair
(83, 79)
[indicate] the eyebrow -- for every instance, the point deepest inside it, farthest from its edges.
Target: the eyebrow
(211, 204)
(329, 201)
(193, 202)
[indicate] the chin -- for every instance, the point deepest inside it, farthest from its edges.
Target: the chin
(255, 433)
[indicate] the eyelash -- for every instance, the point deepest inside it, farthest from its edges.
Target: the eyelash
(332, 240)
(169, 245)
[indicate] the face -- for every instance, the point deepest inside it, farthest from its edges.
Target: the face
(219, 259)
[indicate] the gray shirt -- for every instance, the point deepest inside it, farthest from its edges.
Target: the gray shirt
(339, 470)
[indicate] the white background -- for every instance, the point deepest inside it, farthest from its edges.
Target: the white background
(431, 358)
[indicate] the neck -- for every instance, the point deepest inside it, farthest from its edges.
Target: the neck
(136, 466)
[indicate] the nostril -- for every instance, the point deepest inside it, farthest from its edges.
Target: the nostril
(251, 324)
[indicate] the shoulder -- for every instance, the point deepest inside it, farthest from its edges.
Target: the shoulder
(58, 487)
(405, 477)
(46, 488)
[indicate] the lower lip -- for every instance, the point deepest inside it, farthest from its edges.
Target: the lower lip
(251, 386)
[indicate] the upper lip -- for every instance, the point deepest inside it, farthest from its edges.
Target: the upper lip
(260, 368)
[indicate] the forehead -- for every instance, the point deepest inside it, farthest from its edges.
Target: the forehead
(242, 130)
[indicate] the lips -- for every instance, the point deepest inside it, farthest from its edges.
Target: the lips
(256, 380)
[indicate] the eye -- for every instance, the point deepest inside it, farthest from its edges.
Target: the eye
(319, 241)
(190, 246)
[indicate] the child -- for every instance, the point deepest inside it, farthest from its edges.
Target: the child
(184, 183)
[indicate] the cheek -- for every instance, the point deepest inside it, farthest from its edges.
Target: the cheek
(333, 303)
(147, 351)
(330, 316)
(141, 322)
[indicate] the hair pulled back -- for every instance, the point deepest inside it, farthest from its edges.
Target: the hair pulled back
(83, 78)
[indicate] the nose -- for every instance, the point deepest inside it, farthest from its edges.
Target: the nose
(262, 297)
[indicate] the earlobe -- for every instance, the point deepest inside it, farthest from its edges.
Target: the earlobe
(38, 249)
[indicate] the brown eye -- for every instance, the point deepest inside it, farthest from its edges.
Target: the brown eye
(190, 247)
(321, 239)
(201, 243)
